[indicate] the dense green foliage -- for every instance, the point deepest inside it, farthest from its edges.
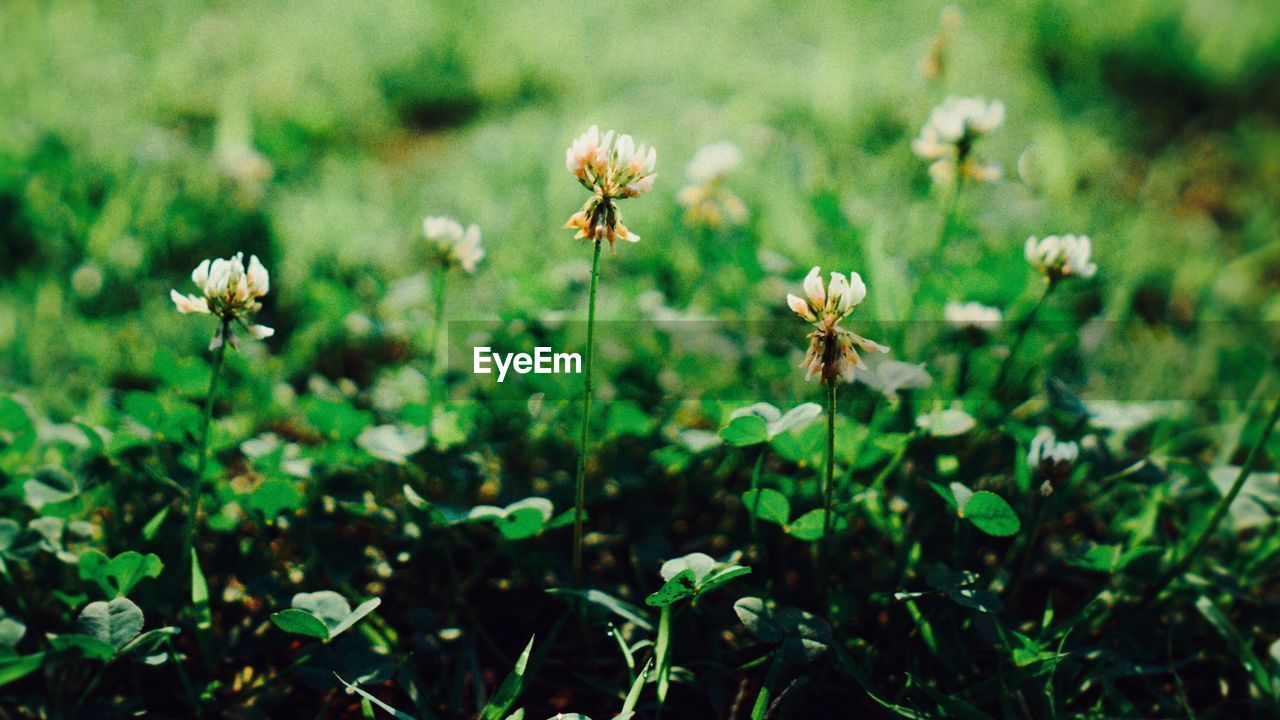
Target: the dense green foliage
(379, 530)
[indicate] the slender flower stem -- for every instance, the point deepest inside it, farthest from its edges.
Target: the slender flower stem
(436, 393)
(441, 275)
(828, 490)
(1250, 464)
(202, 461)
(936, 247)
(1023, 331)
(580, 491)
(755, 487)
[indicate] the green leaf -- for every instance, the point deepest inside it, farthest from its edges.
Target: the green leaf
(392, 443)
(621, 608)
(808, 527)
(115, 622)
(768, 505)
(300, 622)
(720, 576)
(130, 568)
(90, 647)
(946, 423)
(326, 605)
(11, 631)
(351, 687)
(796, 418)
(745, 430)
(200, 595)
(510, 689)
(50, 485)
(1240, 646)
(274, 497)
(758, 619)
(17, 667)
(144, 407)
(17, 432)
(633, 695)
(323, 615)
(356, 616)
(628, 418)
(680, 586)
(991, 514)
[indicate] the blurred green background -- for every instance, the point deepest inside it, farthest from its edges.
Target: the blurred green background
(137, 138)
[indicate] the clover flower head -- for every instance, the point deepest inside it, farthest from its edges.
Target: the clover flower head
(229, 291)
(1059, 256)
(453, 245)
(934, 63)
(612, 167)
(948, 137)
(1052, 458)
(714, 162)
(971, 316)
(833, 350)
(706, 200)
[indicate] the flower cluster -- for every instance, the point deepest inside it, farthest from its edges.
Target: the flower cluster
(833, 350)
(971, 316)
(1059, 256)
(1051, 458)
(229, 292)
(451, 244)
(949, 135)
(612, 168)
(705, 199)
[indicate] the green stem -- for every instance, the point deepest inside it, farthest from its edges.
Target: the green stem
(1023, 331)
(662, 655)
(755, 487)
(938, 244)
(1250, 464)
(828, 489)
(202, 461)
(580, 490)
(441, 275)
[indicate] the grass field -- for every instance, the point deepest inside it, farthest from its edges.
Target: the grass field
(285, 492)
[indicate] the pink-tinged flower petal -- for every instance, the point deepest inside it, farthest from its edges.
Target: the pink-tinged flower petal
(261, 332)
(800, 307)
(259, 280)
(189, 303)
(857, 290)
(813, 288)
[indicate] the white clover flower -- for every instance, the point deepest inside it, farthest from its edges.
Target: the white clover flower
(1059, 256)
(229, 292)
(948, 137)
(833, 350)
(714, 162)
(1052, 458)
(452, 244)
(971, 316)
(612, 168)
(705, 199)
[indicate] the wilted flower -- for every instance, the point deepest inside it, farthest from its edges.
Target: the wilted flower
(451, 244)
(1059, 256)
(229, 292)
(1051, 458)
(833, 350)
(612, 168)
(948, 137)
(971, 316)
(706, 200)
(934, 62)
